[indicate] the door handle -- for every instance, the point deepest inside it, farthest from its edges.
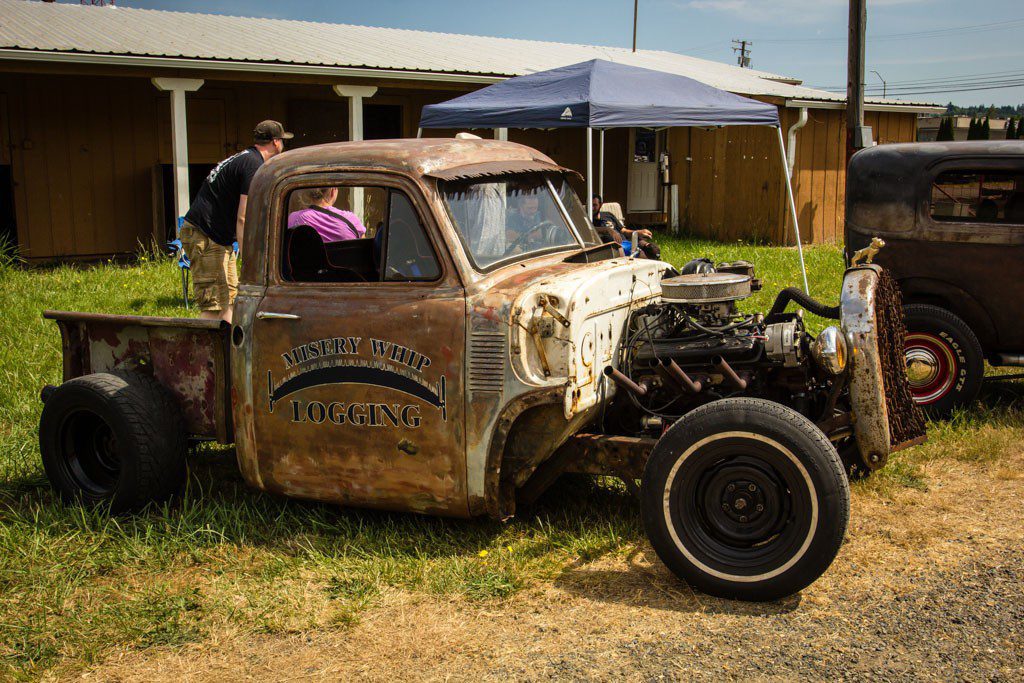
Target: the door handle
(270, 315)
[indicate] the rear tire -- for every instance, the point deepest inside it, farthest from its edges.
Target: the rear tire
(945, 362)
(746, 499)
(114, 439)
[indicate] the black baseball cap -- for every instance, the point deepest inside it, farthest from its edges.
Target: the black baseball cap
(269, 130)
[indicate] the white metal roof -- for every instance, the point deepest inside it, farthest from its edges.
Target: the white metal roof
(38, 30)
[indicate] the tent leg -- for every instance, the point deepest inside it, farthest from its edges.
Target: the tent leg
(792, 207)
(590, 167)
(419, 132)
(600, 163)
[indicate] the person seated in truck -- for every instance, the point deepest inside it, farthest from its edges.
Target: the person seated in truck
(523, 219)
(331, 223)
(610, 228)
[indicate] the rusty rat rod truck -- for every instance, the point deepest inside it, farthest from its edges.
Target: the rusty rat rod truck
(477, 343)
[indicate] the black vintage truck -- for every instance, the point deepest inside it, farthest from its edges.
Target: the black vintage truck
(952, 218)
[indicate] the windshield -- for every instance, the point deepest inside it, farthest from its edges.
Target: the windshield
(515, 217)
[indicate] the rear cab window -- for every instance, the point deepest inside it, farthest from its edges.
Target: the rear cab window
(978, 196)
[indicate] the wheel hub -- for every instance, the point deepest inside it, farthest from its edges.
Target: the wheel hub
(743, 501)
(922, 367)
(931, 367)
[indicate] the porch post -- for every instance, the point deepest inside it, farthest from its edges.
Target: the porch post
(792, 206)
(590, 171)
(177, 87)
(501, 134)
(355, 95)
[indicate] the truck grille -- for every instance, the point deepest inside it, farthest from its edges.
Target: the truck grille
(486, 362)
(906, 422)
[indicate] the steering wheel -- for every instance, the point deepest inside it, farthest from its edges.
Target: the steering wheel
(548, 230)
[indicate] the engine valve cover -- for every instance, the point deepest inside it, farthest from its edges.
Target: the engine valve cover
(705, 288)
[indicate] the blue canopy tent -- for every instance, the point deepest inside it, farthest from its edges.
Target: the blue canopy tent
(599, 94)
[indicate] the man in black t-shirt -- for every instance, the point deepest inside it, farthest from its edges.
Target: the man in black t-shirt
(216, 219)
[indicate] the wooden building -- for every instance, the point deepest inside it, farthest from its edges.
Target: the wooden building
(108, 124)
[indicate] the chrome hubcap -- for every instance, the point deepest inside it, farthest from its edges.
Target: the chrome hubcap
(922, 367)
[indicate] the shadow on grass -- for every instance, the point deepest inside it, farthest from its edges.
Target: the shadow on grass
(218, 508)
(650, 584)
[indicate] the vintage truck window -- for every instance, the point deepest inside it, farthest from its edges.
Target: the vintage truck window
(970, 196)
(354, 234)
(512, 218)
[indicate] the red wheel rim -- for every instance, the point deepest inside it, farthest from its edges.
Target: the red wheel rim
(932, 367)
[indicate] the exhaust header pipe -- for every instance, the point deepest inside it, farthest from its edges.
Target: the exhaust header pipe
(625, 382)
(730, 375)
(674, 375)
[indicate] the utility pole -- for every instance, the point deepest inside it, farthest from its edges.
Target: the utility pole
(744, 52)
(635, 7)
(857, 136)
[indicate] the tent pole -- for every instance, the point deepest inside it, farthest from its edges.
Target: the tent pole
(600, 163)
(590, 166)
(419, 132)
(792, 206)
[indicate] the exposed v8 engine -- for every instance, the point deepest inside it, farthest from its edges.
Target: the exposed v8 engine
(695, 347)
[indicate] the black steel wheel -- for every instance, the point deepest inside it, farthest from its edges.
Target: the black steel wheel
(116, 439)
(945, 361)
(747, 499)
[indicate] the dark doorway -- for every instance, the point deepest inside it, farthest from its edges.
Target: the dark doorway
(8, 227)
(196, 175)
(382, 121)
(315, 122)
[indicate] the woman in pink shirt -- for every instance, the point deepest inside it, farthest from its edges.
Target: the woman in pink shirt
(331, 223)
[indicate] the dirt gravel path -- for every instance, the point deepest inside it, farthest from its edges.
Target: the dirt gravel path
(928, 585)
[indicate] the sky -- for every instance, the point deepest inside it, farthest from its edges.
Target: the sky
(917, 46)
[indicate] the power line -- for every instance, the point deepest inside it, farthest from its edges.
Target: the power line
(976, 79)
(934, 33)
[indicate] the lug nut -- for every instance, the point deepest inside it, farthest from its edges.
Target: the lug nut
(751, 488)
(725, 506)
(743, 518)
(759, 508)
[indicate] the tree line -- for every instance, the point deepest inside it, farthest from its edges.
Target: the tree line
(980, 128)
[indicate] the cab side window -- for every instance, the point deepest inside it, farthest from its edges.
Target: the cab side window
(968, 196)
(354, 234)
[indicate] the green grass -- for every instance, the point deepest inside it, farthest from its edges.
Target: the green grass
(75, 583)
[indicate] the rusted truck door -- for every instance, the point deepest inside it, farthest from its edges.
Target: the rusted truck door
(358, 352)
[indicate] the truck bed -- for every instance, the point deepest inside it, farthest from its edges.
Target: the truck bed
(186, 355)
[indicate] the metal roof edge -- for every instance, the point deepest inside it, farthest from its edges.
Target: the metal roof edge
(908, 108)
(19, 54)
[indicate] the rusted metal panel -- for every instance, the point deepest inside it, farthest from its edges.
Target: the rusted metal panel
(618, 456)
(490, 169)
(189, 357)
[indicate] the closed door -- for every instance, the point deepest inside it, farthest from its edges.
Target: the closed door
(643, 187)
(358, 353)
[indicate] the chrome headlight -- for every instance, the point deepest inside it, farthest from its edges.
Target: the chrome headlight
(830, 350)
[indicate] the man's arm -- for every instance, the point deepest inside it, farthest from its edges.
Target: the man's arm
(240, 221)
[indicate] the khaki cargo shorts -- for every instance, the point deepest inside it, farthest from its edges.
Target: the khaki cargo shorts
(214, 275)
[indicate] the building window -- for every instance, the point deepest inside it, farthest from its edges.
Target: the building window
(978, 197)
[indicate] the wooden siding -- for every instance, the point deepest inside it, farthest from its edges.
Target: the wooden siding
(732, 187)
(86, 154)
(86, 151)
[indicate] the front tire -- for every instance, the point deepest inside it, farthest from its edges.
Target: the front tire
(945, 362)
(745, 499)
(114, 439)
